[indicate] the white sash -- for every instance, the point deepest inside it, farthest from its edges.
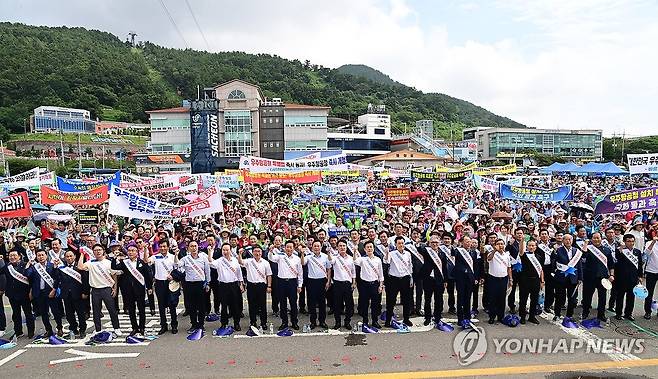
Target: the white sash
(30, 255)
(253, 262)
(380, 247)
(285, 258)
(18, 276)
(467, 257)
(44, 274)
(630, 256)
(572, 263)
(53, 255)
(72, 273)
(133, 271)
(535, 262)
(547, 253)
(372, 267)
(414, 251)
(402, 263)
(499, 257)
(318, 264)
(598, 254)
(198, 270)
(103, 272)
(225, 262)
(352, 247)
(342, 263)
(448, 253)
(436, 259)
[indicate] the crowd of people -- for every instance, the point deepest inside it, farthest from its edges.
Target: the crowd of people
(310, 254)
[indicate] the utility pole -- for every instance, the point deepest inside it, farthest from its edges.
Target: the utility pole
(61, 143)
(623, 143)
(79, 157)
(103, 147)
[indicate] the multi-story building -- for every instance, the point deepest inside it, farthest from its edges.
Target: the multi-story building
(305, 128)
(66, 120)
(425, 127)
(170, 130)
(507, 143)
(370, 136)
(272, 137)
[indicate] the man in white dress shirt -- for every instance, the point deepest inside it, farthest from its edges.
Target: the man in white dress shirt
(290, 279)
(259, 284)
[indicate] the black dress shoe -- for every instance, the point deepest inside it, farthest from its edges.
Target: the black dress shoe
(603, 319)
(132, 332)
(295, 326)
(302, 311)
(312, 326)
(376, 325)
(534, 321)
(523, 321)
(619, 318)
(174, 330)
(408, 323)
(556, 317)
(162, 331)
(427, 322)
(348, 326)
(337, 326)
(324, 325)
(492, 321)
(30, 335)
(647, 316)
(191, 330)
(452, 311)
(185, 313)
(283, 326)
(152, 312)
(237, 327)
(330, 312)
(611, 309)
(629, 318)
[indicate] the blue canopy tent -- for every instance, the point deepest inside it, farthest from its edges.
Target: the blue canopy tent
(600, 169)
(560, 168)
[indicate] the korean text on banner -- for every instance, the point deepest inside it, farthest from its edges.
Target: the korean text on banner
(642, 163)
(16, 205)
(263, 165)
(397, 196)
(640, 199)
(51, 196)
(563, 193)
(303, 177)
(67, 185)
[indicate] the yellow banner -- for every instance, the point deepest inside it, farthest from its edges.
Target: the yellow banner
(498, 170)
(341, 173)
(470, 166)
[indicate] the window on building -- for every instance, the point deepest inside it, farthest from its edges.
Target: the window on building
(277, 144)
(236, 94)
(276, 120)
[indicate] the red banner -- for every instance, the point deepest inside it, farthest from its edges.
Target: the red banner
(397, 196)
(282, 178)
(51, 196)
(16, 205)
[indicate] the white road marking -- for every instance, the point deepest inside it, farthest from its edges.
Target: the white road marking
(12, 356)
(589, 338)
(86, 355)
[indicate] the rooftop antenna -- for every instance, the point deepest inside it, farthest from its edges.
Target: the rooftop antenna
(132, 35)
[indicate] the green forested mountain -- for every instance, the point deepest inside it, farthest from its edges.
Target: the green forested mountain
(95, 70)
(367, 72)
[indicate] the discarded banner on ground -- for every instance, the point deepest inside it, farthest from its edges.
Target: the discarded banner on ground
(491, 185)
(68, 185)
(51, 196)
(639, 199)
(16, 205)
(88, 217)
(642, 163)
(497, 170)
(303, 177)
(397, 196)
(563, 193)
(264, 165)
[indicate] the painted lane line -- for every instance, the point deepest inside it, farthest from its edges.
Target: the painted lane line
(86, 355)
(12, 356)
(82, 344)
(589, 338)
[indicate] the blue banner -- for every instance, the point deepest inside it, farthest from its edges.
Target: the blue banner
(536, 194)
(68, 185)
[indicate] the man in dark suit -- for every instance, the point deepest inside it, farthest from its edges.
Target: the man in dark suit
(599, 264)
(74, 290)
(466, 274)
(17, 289)
(433, 282)
(44, 282)
(568, 276)
(629, 273)
(137, 278)
(513, 249)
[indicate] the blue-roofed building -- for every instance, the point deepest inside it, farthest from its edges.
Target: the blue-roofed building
(56, 119)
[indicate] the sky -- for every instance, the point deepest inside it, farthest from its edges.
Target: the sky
(568, 64)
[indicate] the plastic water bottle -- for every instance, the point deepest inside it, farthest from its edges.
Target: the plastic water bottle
(271, 328)
(359, 326)
(306, 328)
(540, 300)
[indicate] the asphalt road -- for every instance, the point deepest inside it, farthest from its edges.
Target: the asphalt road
(424, 352)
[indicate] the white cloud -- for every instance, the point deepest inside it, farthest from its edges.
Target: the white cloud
(591, 63)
